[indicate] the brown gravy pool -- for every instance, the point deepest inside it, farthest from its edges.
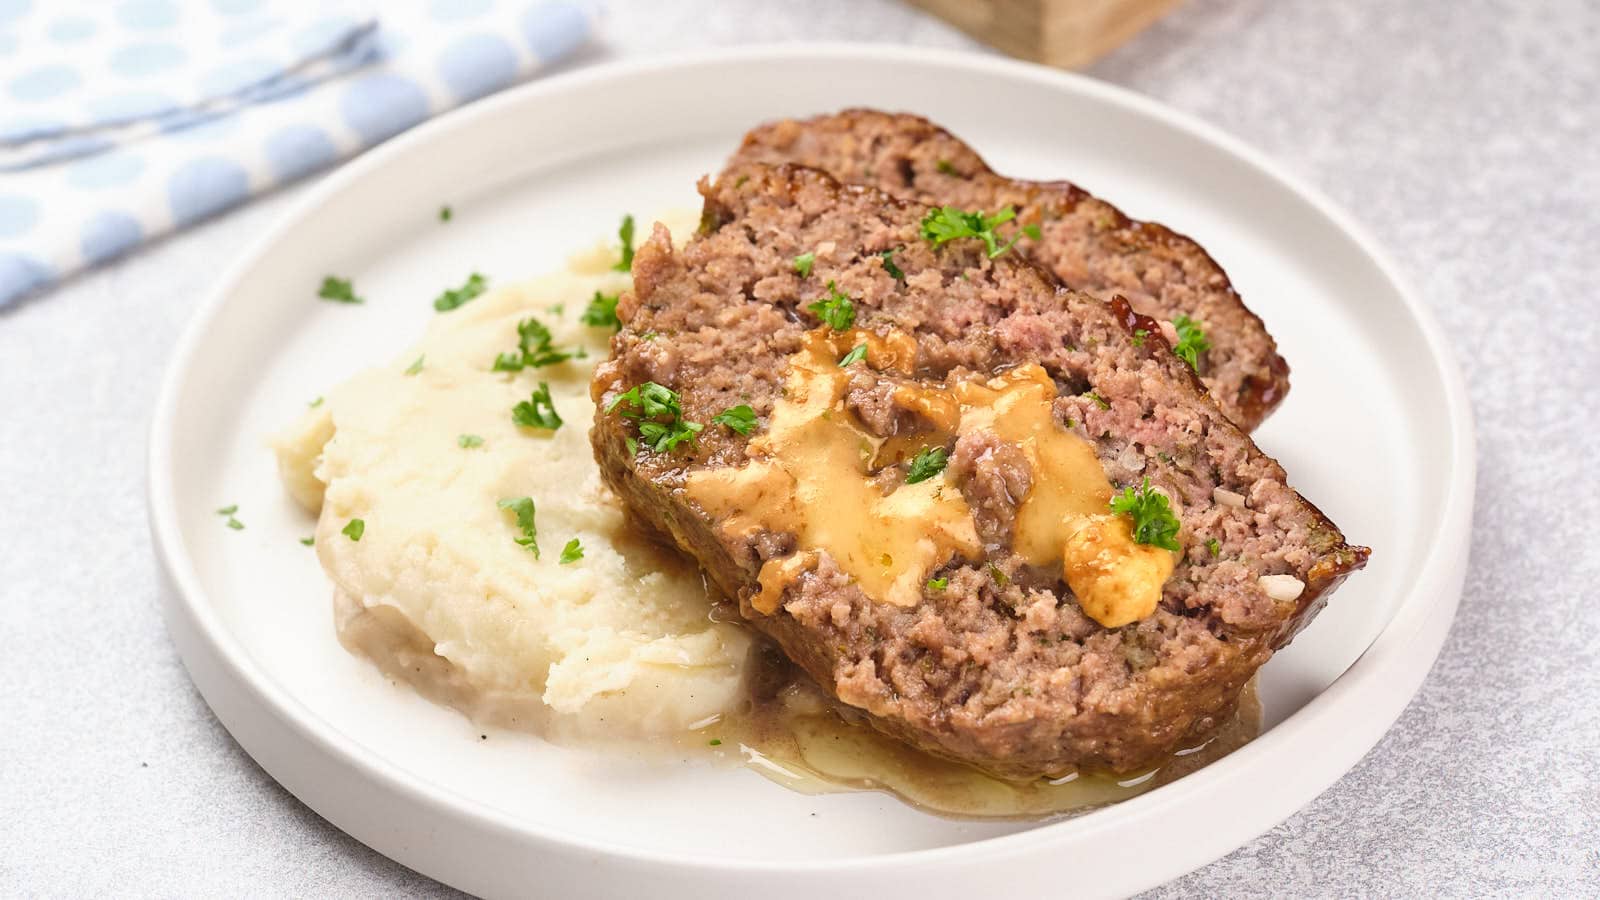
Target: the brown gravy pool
(792, 734)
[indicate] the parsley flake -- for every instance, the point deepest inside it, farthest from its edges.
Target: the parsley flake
(625, 234)
(538, 411)
(228, 511)
(354, 529)
(602, 312)
(715, 742)
(534, 349)
(837, 312)
(338, 290)
(647, 404)
(475, 284)
(998, 575)
(469, 441)
(446, 213)
(308, 541)
(1139, 334)
(938, 584)
(803, 263)
(739, 418)
(315, 403)
(894, 271)
(1153, 520)
(1191, 341)
(944, 167)
(944, 224)
(522, 508)
(926, 464)
(572, 552)
(1032, 231)
(415, 367)
(1214, 546)
(1099, 401)
(856, 354)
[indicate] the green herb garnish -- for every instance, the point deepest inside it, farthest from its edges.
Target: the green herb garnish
(468, 441)
(944, 167)
(315, 403)
(625, 234)
(1191, 341)
(944, 224)
(445, 213)
(856, 354)
(1214, 547)
(803, 263)
(475, 284)
(1139, 334)
(837, 312)
(602, 311)
(308, 541)
(338, 290)
(228, 511)
(1099, 401)
(354, 529)
(715, 742)
(1032, 231)
(894, 271)
(572, 552)
(647, 404)
(416, 367)
(739, 418)
(998, 575)
(926, 464)
(538, 411)
(1153, 520)
(938, 584)
(522, 507)
(534, 349)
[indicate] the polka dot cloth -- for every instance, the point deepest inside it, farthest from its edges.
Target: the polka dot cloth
(123, 120)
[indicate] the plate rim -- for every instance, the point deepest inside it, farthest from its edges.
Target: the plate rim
(229, 679)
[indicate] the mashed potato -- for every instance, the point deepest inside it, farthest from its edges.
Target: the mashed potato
(617, 643)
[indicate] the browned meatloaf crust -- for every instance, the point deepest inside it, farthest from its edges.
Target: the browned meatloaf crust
(1001, 668)
(1088, 243)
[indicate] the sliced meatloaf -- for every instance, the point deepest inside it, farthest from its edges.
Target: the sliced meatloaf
(1088, 243)
(958, 641)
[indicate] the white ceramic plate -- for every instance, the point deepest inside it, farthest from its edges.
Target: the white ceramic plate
(1376, 430)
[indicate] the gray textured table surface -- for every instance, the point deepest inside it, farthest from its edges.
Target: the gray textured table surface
(1462, 132)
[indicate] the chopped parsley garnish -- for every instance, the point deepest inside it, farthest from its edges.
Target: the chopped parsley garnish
(938, 584)
(476, 284)
(1153, 520)
(1139, 334)
(1032, 231)
(1099, 401)
(308, 541)
(944, 224)
(354, 529)
(602, 311)
(315, 403)
(572, 552)
(538, 411)
(445, 213)
(533, 349)
(522, 508)
(648, 404)
(837, 312)
(998, 575)
(235, 524)
(468, 441)
(1191, 341)
(416, 367)
(625, 234)
(1214, 547)
(803, 263)
(228, 511)
(715, 742)
(926, 464)
(856, 354)
(338, 290)
(944, 167)
(739, 418)
(888, 266)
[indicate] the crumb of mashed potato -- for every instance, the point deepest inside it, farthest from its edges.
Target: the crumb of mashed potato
(617, 643)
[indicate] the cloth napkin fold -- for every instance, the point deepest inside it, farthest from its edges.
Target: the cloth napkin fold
(122, 121)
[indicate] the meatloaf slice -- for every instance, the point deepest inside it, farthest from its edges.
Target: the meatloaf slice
(1088, 243)
(978, 655)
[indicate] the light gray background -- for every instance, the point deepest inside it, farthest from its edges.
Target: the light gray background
(1462, 132)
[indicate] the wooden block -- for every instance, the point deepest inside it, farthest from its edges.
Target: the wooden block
(1065, 33)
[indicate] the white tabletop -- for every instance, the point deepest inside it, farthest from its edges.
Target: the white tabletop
(1466, 136)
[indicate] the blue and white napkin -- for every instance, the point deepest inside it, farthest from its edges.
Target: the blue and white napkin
(122, 121)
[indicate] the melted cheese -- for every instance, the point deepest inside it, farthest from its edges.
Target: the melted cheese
(811, 475)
